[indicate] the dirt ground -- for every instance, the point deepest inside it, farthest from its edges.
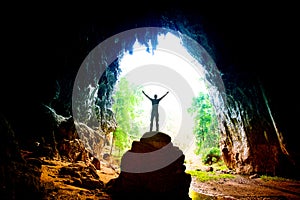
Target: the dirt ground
(241, 187)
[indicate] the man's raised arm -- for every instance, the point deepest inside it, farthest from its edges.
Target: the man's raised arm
(164, 95)
(146, 95)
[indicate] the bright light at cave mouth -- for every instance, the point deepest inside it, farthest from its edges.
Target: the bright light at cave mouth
(156, 73)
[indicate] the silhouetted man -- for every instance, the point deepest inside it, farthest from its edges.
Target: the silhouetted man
(154, 112)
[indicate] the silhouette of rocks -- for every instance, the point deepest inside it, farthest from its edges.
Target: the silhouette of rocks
(19, 178)
(152, 169)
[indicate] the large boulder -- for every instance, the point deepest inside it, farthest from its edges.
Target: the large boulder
(152, 169)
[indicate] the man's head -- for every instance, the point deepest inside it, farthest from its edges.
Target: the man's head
(155, 96)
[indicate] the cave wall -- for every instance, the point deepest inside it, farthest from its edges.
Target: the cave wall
(249, 141)
(253, 139)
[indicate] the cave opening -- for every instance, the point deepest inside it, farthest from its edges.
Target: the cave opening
(240, 110)
(155, 60)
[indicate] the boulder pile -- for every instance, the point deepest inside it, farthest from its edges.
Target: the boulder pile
(152, 169)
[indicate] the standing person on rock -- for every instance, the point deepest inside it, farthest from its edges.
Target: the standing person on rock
(154, 112)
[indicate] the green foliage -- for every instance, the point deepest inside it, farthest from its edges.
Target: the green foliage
(120, 140)
(211, 155)
(272, 178)
(208, 176)
(206, 123)
(126, 100)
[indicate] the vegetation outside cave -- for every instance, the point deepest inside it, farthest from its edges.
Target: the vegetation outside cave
(129, 114)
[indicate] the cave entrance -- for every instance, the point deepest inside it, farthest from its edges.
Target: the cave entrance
(155, 60)
(187, 113)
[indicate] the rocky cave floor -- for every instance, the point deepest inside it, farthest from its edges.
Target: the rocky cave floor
(241, 187)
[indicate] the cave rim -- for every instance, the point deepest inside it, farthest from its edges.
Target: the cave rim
(118, 44)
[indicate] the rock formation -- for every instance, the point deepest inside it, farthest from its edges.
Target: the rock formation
(152, 169)
(19, 178)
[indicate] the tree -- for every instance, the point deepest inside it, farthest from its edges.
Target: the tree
(206, 123)
(126, 100)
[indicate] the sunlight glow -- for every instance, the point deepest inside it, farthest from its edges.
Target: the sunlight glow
(163, 61)
(186, 68)
(177, 64)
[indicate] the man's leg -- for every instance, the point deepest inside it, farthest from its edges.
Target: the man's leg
(157, 124)
(151, 121)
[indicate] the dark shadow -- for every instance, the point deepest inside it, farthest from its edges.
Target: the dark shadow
(138, 181)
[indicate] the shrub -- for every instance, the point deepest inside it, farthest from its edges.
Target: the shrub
(212, 155)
